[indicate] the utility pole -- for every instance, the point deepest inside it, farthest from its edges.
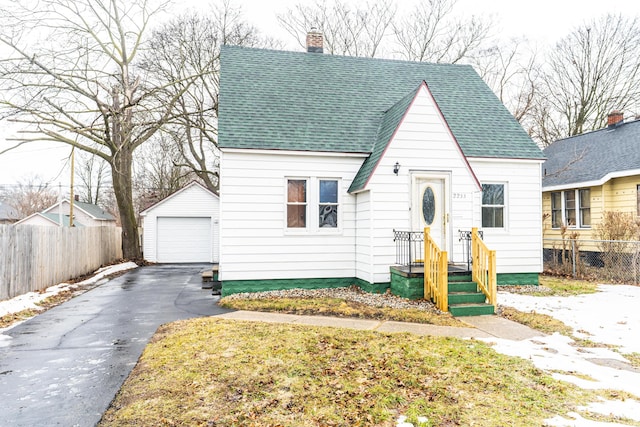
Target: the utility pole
(72, 197)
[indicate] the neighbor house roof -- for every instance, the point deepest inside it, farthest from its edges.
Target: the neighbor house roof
(7, 212)
(279, 100)
(94, 211)
(593, 158)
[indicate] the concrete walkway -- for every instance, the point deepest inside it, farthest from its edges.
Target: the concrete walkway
(479, 326)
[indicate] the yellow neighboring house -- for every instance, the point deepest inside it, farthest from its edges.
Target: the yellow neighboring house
(588, 174)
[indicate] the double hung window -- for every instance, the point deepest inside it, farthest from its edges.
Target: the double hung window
(308, 195)
(571, 208)
(493, 206)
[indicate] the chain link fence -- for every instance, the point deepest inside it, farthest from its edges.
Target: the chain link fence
(607, 261)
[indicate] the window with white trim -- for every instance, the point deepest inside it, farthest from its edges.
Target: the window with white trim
(493, 205)
(571, 208)
(313, 204)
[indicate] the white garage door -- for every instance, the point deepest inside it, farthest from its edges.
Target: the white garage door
(184, 239)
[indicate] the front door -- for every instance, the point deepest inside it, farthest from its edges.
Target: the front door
(429, 206)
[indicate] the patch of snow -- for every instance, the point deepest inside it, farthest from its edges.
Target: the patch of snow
(622, 408)
(578, 421)
(609, 316)
(5, 340)
(29, 300)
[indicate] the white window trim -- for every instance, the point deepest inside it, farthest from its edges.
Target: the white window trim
(563, 211)
(313, 203)
(505, 208)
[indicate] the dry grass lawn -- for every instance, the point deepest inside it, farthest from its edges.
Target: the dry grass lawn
(214, 372)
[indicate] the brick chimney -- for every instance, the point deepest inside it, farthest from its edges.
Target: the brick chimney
(615, 117)
(314, 41)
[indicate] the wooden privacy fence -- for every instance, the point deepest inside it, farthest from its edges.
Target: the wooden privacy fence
(33, 258)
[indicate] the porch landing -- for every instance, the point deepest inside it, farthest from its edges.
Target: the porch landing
(418, 270)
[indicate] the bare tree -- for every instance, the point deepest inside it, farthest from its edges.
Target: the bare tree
(158, 172)
(188, 46)
(512, 70)
(78, 84)
(92, 173)
(591, 72)
(353, 30)
(29, 196)
(432, 33)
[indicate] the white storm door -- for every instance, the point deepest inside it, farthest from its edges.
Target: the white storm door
(429, 207)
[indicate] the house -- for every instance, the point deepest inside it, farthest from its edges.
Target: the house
(48, 220)
(87, 214)
(323, 156)
(8, 214)
(182, 227)
(589, 174)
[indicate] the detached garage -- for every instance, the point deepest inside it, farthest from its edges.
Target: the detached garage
(183, 227)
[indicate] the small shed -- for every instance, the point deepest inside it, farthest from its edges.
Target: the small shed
(183, 227)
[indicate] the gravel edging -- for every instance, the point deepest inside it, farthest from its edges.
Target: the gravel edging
(352, 293)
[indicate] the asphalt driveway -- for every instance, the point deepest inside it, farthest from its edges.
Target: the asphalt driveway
(63, 367)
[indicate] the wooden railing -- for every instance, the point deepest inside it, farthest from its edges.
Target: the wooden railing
(483, 267)
(435, 273)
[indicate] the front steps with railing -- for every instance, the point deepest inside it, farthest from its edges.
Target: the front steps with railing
(465, 299)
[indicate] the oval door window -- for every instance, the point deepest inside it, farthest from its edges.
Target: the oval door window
(428, 205)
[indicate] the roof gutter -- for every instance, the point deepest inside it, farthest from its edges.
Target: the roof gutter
(593, 183)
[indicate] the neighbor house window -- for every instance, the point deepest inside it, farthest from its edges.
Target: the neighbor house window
(493, 205)
(556, 209)
(296, 203)
(328, 206)
(571, 208)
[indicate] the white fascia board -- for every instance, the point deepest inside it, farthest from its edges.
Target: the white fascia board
(295, 153)
(504, 160)
(595, 183)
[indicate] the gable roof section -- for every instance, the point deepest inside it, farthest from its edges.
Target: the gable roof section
(175, 193)
(388, 125)
(593, 157)
(53, 218)
(278, 100)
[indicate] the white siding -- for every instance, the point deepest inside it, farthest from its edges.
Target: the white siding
(193, 201)
(422, 143)
(42, 221)
(364, 242)
(256, 242)
(519, 245)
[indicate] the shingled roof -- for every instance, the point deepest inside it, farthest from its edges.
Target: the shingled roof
(279, 100)
(593, 158)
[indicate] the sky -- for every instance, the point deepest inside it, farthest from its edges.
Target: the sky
(542, 22)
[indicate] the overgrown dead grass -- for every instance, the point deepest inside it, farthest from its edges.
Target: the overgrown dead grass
(541, 322)
(562, 286)
(215, 372)
(340, 308)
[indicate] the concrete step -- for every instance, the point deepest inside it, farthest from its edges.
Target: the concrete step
(466, 298)
(462, 287)
(459, 310)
